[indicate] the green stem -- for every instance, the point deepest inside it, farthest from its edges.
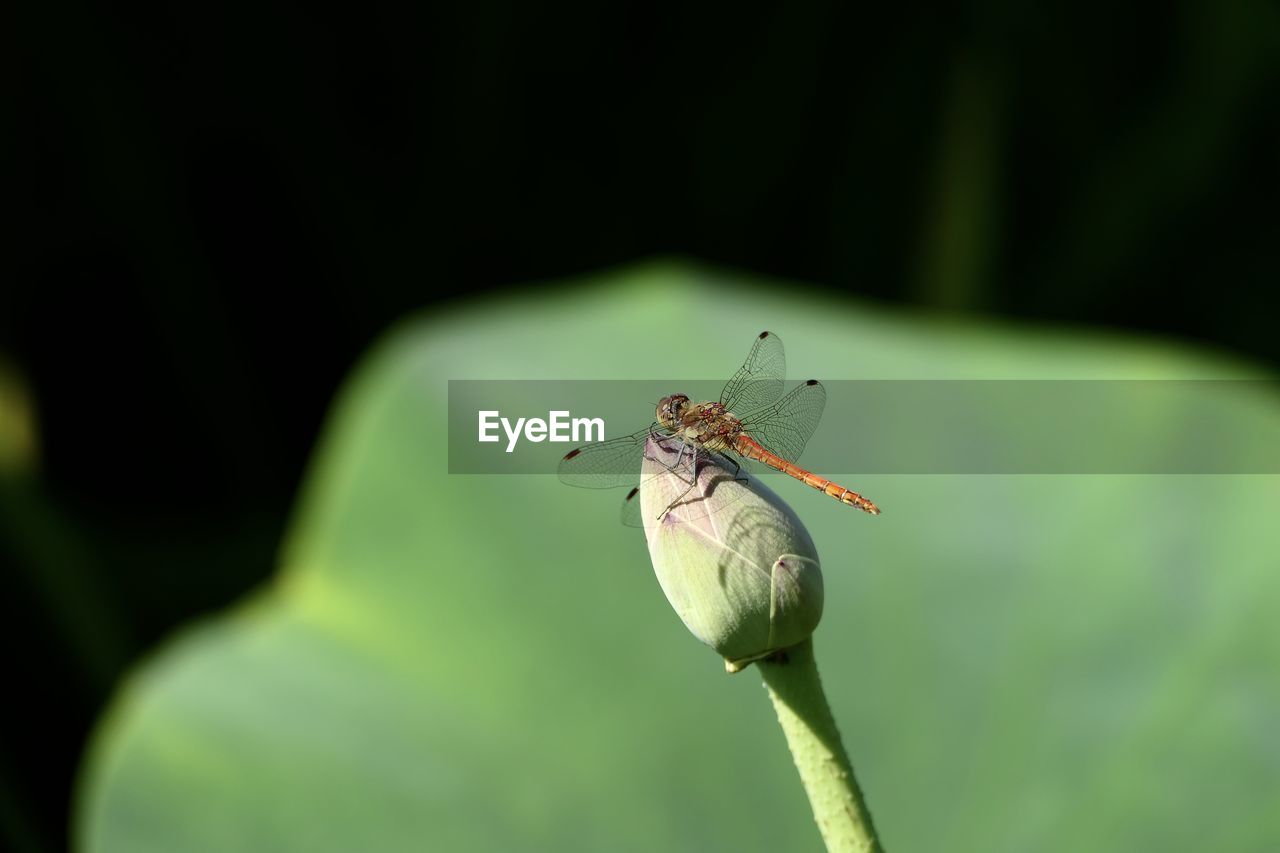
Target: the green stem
(825, 770)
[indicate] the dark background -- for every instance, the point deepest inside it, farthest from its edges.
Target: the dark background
(219, 209)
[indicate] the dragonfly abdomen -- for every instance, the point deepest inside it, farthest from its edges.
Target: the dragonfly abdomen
(752, 449)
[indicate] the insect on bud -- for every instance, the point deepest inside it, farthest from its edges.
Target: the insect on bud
(732, 558)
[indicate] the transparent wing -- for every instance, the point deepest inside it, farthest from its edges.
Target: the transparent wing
(786, 427)
(631, 516)
(606, 464)
(758, 383)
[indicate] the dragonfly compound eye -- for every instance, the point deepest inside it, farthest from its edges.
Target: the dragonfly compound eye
(671, 408)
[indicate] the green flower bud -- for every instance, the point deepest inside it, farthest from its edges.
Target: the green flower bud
(733, 559)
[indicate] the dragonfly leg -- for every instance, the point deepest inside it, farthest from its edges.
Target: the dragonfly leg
(693, 463)
(674, 467)
(737, 469)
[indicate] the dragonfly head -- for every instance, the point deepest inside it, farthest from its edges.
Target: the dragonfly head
(670, 409)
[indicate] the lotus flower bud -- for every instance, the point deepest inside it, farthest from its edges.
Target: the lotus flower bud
(733, 559)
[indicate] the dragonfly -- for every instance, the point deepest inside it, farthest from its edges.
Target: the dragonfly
(752, 420)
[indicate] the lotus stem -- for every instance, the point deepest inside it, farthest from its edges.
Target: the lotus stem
(791, 678)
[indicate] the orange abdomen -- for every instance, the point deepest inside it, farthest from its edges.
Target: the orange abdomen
(752, 449)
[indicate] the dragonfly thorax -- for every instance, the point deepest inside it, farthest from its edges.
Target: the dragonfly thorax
(707, 424)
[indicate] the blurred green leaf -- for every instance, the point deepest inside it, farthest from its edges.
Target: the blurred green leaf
(486, 663)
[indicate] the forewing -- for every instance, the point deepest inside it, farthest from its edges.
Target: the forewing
(786, 427)
(606, 464)
(758, 383)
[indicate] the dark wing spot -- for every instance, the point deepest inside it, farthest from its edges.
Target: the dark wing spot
(812, 382)
(764, 335)
(572, 453)
(631, 494)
